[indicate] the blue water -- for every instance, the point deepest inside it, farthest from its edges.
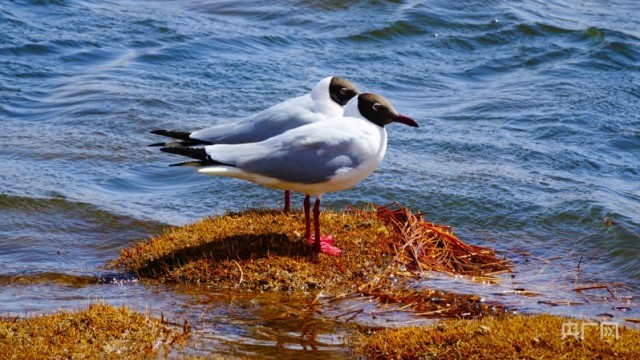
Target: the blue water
(529, 137)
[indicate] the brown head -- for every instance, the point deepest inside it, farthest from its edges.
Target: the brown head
(379, 111)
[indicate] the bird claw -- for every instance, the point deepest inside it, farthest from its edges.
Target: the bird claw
(329, 249)
(326, 245)
(325, 239)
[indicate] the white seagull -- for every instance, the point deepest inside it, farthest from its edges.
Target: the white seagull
(314, 159)
(326, 100)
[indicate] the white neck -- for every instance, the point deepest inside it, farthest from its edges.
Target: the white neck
(351, 109)
(320, 96)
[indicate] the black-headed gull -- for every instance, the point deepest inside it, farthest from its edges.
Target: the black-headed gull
(314, 159)
(326, 100)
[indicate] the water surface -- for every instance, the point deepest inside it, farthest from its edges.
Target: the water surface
(529, 140)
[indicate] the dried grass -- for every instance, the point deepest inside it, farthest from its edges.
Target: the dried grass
(424, 246)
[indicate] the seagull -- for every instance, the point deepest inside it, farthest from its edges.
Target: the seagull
(314, 159)
(326, 100)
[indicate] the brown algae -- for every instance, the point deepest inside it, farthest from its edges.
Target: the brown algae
(501, 337)
(99, 331)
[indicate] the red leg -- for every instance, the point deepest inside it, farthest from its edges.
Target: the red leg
(322, 244)
(287, 201)
(323, 239)
(307, 218)
(316, 225)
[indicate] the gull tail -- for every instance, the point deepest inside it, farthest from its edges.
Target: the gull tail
(200, 154)
(183, 136)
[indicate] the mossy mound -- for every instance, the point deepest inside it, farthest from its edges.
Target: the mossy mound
(505, 337)
(262, 250)
(100, 331)
(266, 250)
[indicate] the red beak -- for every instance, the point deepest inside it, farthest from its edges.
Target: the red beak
(406, 120)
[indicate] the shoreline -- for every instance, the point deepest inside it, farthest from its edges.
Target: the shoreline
(116, 332)
(263, 251)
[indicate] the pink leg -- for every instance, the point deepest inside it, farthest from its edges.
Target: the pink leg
(307, 218)
(322, 244)
(307, 234)
(316, 225)
(287, 201)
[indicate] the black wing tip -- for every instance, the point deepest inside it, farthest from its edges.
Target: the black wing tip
(195, 153)
(176, 134)
(183, 136)
(198, 153)
(160, 132)
(181, 143)
(188, 163)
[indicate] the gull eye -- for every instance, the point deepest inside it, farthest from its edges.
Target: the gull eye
(343, 91)
(376, 106)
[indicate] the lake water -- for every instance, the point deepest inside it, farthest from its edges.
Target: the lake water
(529, 141)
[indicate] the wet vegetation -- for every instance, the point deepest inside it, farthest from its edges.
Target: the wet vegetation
(502, 337)
(99, 331)
(385, 249)
(265, 250)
